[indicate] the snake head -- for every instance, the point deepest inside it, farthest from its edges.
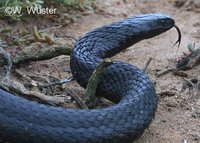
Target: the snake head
(155, 24)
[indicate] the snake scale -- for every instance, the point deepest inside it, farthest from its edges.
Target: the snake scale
(23, 121)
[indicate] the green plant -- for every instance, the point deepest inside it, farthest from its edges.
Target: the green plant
(17, 4)
(82, 4)
(193, 48)
(23, 4)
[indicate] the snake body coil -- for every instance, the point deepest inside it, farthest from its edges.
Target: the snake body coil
(24, 121)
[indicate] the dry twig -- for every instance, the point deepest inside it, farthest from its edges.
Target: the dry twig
(16, 87)
(42, 52)
(93, 82)
(147, 64)
(78, 100)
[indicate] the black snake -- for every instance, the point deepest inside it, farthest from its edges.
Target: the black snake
(25, 121)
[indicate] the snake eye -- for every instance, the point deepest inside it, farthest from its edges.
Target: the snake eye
(165, 23)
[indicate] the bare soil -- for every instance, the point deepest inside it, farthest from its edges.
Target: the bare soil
(178, 115)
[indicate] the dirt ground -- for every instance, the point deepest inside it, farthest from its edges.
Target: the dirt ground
(178, 116)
